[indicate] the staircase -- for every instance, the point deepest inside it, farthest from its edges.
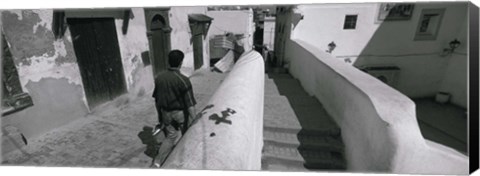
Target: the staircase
(298, 133)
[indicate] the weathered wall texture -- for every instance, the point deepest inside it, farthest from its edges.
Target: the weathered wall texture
(36, 52)
(389, 43)
(181, 34)
(132, 44)
(47, 71)
(236, 21)
(378, 123)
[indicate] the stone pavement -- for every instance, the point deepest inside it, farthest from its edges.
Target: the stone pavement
(116, 134)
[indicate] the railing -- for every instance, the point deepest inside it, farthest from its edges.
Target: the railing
(229, 133)
(379, 126)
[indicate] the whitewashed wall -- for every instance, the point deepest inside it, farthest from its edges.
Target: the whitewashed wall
(391, 43)
(181, 34)
(379, 125)
(236, 21)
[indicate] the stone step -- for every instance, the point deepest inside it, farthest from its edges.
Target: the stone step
(278, 106)
(277, 70)
(270, 125)
(271, 92)
(279, 123)
(310, 159)
(267, 77)
(305, 101)
(280, 76)
(313, 118)
(278, 166)
(271, 88)
(290, 87)
(332, 161)
(293, 101)
(304, 141)
(299, 135)
(270, 83)
(277, 115)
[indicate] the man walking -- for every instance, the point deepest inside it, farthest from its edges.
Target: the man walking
(175, 103)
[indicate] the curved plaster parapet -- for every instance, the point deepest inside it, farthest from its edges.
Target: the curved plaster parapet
(379, 125)
(229, 132)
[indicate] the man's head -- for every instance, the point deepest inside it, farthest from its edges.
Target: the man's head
(175, 58)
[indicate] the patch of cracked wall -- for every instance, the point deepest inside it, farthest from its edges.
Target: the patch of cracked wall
(132, 44)
(35, 51)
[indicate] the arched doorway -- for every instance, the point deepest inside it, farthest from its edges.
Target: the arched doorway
(158, 38)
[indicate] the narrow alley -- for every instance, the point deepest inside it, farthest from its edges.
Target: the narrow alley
(295, 87)
(116, 134)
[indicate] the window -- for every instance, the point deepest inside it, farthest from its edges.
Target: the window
(350, 22)
(429, 24)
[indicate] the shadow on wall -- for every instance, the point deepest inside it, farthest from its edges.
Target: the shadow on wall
(408, 52)
(407, 49)
(378, 128)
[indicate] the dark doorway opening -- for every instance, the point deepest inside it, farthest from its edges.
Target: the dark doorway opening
(258, 38)
(98, 55)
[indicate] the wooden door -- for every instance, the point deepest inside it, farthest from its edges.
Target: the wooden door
(197, 51)
(158, 38)
(107, 42)
(160, 51)
(98, 55)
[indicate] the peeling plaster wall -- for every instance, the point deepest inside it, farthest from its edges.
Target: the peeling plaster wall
(140, 78)
(44, 65)
(35, 51)
(181, 34)
(132, 44)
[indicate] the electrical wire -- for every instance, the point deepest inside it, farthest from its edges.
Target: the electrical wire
(398, 55)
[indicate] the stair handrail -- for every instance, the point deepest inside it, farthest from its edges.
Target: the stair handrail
(229, 132)
(378, 123)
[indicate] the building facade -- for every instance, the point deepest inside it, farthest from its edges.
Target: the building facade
(67, 63)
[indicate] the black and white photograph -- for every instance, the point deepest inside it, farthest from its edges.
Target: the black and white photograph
(373, 87)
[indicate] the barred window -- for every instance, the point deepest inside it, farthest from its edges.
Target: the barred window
(350, 22)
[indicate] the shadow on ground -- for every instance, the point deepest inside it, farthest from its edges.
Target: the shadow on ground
(444, 123)
(321, 145)
(151, 142)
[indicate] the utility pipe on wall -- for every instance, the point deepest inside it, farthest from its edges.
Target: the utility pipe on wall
(229, 133)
